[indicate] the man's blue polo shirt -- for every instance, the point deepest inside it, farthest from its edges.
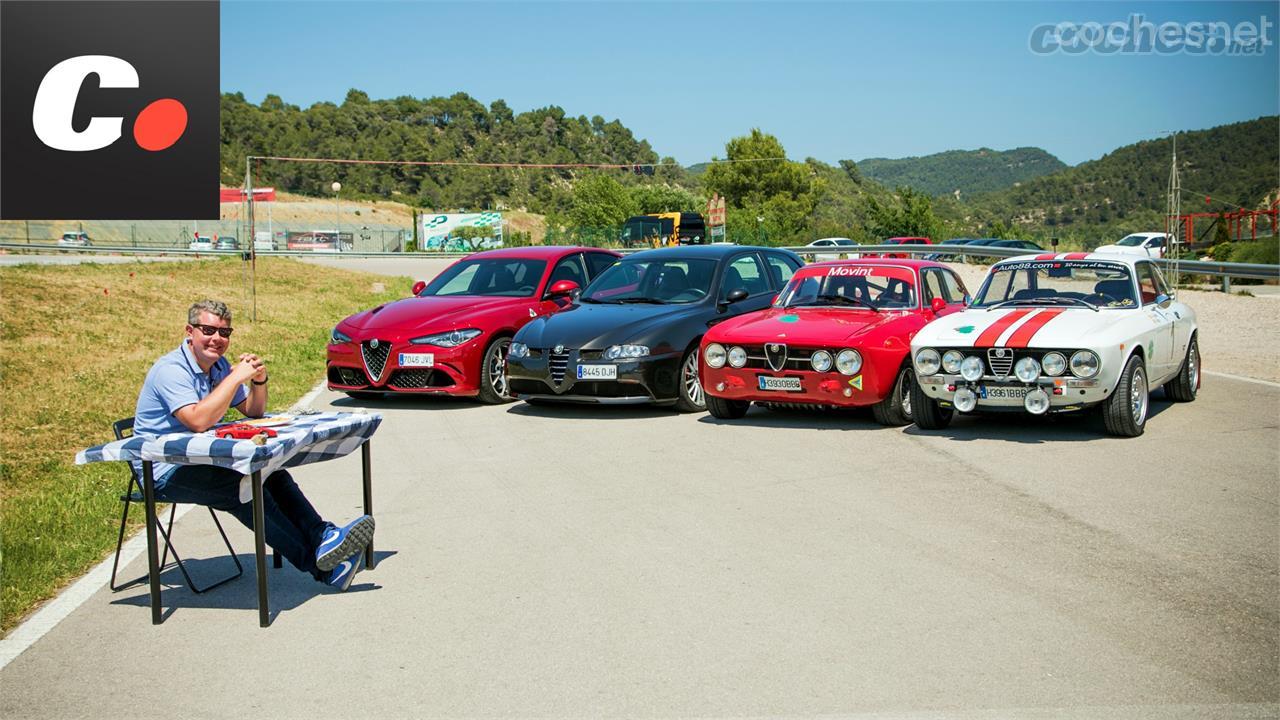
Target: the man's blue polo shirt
(174, 382)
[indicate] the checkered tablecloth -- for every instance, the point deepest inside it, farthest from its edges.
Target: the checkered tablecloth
(308, 439)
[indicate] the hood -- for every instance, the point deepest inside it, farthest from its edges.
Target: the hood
(808, 326)
(598, 326)
(417, 314)
(1021, 327)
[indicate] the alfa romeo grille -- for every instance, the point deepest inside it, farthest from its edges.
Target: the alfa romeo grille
(1000, 360)
(375, 358)
(558, 363)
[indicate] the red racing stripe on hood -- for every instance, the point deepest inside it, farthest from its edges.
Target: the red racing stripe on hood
(1028, 329)
(989, 336)
(1047, 256)
(1076, 256)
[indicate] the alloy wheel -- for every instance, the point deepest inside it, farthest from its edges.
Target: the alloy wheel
(689, 376)
(1138, 396)
(498, 367)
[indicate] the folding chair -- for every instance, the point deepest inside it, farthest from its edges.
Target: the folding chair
(133, 494)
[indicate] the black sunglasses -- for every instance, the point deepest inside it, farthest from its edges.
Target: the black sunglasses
(209, 330)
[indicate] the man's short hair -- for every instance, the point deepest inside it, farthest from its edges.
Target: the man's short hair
(213, 307)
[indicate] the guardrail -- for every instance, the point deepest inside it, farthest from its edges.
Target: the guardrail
(1224, 270)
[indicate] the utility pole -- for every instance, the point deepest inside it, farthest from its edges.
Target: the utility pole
(1173, 223)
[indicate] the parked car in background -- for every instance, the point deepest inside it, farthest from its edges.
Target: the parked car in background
(265, 243)
(201, 242)
(900, 241)
(980, 242)
(830, 244)
(226, 242)
(633, 335)
(838, 335)
(945, 256)
(452, 336)
(74, 239)
(1060, 333)
(1145, 244)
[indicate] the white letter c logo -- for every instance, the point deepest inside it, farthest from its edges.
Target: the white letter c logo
(56, 102)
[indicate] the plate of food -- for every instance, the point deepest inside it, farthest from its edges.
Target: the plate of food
(268, 421)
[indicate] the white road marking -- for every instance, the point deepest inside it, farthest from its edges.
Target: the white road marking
(1242, 378)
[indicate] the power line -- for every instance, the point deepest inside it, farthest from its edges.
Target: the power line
(470, 163)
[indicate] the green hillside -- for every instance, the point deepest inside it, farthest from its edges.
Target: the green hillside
(1125, 190)
(968, 171)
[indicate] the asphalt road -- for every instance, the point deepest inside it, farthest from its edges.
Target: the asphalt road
(576, 561)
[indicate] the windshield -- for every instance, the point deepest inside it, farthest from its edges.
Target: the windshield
(874, 287)
(495, 277)
(1132, 241)
(1083, 283)
(659, 282)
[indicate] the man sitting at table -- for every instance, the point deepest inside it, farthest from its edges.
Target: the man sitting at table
(190, 389)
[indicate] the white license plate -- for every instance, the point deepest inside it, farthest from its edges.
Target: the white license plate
(417, 360)
(779, 383)
(1005, 393)
(597, 372)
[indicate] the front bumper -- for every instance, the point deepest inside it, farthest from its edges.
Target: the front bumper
(1066, 394)
(355, 366)
(867, 387)
(653, 379)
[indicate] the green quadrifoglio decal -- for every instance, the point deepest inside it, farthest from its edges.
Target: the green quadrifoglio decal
(789, 318)
(965, 329)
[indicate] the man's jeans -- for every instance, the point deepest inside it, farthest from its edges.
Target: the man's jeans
(293, 527)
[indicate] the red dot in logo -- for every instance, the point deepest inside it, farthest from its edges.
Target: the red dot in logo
(160, 124)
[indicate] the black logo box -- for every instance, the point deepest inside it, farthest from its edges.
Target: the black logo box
(174, 47)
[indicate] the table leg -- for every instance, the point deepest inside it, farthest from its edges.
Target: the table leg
(260, 550)
(369, 562)
(153, 561)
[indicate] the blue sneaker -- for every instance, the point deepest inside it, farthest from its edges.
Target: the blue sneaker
(341, 576)
(341, 543)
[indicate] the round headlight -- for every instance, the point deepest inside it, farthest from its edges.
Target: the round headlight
(928, 361)
(1027, 369)
(737, 356)
(1054, 364)
(1036, 402)
(820, 360)
(715, 355)
(971, 368)
(849, 362)
(965, 399)
(951, 361)
(1085, 364)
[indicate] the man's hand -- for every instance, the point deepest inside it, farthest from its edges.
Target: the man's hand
(246, 369)
(260, 367)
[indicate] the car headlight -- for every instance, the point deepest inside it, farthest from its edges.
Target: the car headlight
(820, 360)
(453, 338)
(715, 355)
(622, 352)
(971, 368)
(951, 361)
(1054, 364)
(928, 362)
(1085, 364)
(1027, 369)
(849, 362)
(518, 350)
(336, 337)
(737, 356)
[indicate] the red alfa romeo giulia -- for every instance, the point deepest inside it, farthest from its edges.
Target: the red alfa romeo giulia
(452, 336)
(839, 334)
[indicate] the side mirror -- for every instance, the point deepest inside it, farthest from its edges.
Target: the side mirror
(937, 305)
(1163, 300)
(563, 288)
(734, 296)
(967, 300)
(418, 287)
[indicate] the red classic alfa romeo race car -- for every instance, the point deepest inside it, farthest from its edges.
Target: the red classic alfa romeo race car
(839, 334)
(452, 336)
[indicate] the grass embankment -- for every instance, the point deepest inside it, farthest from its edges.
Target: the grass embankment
(75, 345)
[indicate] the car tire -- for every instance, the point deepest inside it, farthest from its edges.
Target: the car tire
(363, 395)
(727, 409)
(1184, 386)
(689, 394)
(1125, 412)
(494, 389)
(895, 409)
(926, 413)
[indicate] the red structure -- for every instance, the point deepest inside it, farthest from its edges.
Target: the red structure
(1236, 222)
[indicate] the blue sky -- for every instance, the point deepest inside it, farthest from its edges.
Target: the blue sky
(830, 80)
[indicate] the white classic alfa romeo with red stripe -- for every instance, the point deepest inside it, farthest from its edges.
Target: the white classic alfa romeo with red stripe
(1057, 333)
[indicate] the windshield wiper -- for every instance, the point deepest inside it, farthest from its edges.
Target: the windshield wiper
(1056, 300)
(844, 299)
(591, 300)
